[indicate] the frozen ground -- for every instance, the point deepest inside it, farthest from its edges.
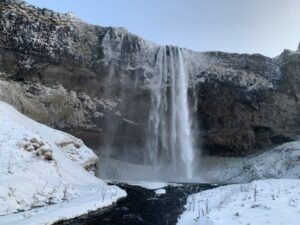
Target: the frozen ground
(273, 202)
(43, 173)
(281, 162)
(272, 198)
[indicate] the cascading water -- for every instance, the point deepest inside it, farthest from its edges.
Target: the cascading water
(167, 151)
(170, 148)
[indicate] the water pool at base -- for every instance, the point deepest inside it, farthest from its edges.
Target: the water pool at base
(142, 207)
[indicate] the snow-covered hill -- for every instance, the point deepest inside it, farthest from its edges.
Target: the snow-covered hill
(43, 173)
(263, 202)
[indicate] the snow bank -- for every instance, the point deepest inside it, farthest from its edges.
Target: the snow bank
(42, 175)
(148, 184)
(151, 185)
(280, 162)
(273, 202)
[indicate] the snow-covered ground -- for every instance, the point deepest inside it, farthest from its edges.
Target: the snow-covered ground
(151, 185)
(273, 196)
(43, 173)
(280, 162)
(273, 202)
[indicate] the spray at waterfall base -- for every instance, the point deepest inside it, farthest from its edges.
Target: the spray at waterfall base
(169, 153)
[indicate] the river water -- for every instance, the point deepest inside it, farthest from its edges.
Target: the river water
(142, 207)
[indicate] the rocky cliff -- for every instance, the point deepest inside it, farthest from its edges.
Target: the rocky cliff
(95, 82)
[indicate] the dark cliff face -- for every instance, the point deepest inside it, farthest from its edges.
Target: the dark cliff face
(105, 68)
(95, 82)
(239, 120)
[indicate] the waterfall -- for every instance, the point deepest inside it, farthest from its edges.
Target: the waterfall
(167, 151)
(170, 147)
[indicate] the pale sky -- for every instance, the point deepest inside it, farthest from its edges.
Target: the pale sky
(244, 26)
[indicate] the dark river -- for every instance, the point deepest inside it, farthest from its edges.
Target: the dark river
(142, 206)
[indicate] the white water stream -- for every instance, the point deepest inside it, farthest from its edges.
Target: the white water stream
(170, 146)
(168, 154)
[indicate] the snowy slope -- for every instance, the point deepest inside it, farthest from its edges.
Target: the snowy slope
(261, 202)
(280, 162)
(42, 178)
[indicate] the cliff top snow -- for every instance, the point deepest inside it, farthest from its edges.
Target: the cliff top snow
(62, 37)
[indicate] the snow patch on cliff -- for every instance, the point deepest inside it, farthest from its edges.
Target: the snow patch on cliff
(248, 71)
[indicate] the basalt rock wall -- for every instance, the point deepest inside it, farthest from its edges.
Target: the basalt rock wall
(95, 82)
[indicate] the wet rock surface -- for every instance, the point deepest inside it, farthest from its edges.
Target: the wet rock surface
(142, 206)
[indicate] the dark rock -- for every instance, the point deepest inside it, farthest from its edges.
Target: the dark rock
(95, 82)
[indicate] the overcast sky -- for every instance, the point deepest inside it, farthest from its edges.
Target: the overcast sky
(246, 26)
